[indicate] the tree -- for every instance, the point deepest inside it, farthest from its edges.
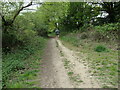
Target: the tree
(79, 14)
(47, 15)
(112, 9)
(10, 10)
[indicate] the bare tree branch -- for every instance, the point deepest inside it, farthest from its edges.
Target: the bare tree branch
(3, 19)
(17, 13)
(10, 22)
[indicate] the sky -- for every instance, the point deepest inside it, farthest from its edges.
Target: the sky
(34, 7)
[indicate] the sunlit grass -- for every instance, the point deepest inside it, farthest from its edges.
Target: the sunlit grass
(104, 65)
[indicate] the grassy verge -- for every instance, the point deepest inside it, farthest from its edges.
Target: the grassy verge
(0, 73)
(52, 34)
(20, 68)
(104, 65)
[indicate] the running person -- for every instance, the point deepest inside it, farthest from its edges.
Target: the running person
(57, 32)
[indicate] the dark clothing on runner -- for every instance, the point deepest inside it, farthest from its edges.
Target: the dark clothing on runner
(57, 32)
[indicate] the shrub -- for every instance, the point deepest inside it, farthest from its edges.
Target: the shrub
(16, 60)
(9, 40)
(108, 27)
(26, 36)
(109, 30)
(84, 36)
(100, 48)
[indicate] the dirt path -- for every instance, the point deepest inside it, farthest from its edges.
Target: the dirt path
(61, 68)
(81, 77)
(53, 74)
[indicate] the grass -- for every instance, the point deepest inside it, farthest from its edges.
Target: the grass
(23, 65)
(76, 78)
(70, 73)
(0, 73)
(104, 64)
(73, 77)
(66, 64)
(29, 74)
(22, 84)
(52, 34)
(61, 53)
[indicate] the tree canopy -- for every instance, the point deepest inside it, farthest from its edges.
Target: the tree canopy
(67, 16)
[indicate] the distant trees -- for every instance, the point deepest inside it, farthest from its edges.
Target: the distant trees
(46, 16)
(66, 16)
(79, 14)
(10, 10)
(82, 13)
(113, 10)
(17, 31)
(14, 24)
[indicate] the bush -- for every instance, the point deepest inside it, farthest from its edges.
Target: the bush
(100, 48)
(84, 36)
(9, 40)
(106, 32)
(26, 36)
(108, 27)
(109, 30)
(16, 60)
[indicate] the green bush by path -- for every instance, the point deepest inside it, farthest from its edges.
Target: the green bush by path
(108, 27)
(17, 60)
(107, 32)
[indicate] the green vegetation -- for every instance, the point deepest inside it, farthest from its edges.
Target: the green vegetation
(81, 24)
(70, 73)
(100, 48)
(51, 34)
(73, 77)
(66, 64)
(0, 74)
(103, 64)
(108, 31)
(76, 78)
(18, 67)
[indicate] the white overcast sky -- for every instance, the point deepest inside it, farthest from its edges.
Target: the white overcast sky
(32, 6)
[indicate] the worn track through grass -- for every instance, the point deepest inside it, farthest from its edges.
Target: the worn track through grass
(78, 72)
(53, 74)
(62, 69)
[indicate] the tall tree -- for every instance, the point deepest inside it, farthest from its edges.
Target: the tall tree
(109, 8)
(10, 10)
(113, 10)
(79, 13)
(48, 15)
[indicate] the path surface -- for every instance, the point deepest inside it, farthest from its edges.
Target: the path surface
(54, 74)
